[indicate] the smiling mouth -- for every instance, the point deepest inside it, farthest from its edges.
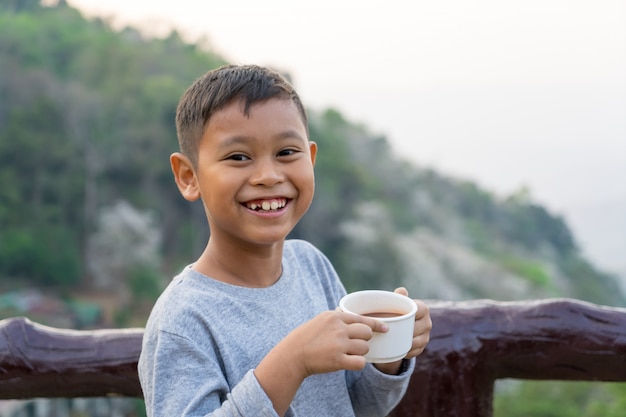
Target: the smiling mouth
(273, 204)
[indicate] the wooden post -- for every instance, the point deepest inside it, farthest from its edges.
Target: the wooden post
(40, 361)
(474, 343)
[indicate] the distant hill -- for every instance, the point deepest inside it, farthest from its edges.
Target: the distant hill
(86, 128)
(447, 238)
(604, 226)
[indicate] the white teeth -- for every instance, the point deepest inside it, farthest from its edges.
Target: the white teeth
(268, 205)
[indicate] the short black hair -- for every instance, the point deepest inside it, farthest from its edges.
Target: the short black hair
(218, 88)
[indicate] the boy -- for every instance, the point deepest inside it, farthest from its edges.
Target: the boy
(251, 328)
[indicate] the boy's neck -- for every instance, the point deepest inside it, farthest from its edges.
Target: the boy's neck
(254, 267)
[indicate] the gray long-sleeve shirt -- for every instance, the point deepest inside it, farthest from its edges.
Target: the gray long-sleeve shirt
(204, 338)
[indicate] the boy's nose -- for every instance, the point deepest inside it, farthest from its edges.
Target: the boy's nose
(267, 173)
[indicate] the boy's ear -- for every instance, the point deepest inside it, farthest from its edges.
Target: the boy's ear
(313, 150)
(185, 176)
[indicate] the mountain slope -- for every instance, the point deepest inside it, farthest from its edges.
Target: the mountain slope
(87, 121)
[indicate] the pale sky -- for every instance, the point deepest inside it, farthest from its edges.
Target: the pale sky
(505, 93)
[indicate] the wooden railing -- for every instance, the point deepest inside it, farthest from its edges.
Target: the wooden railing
(473, 344)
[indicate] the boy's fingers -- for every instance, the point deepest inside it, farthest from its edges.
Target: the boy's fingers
(380, 327)
(401, 290)
(354, 362)
(422, 309)
(373, 324)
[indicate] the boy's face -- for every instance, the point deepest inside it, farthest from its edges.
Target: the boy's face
(254, 174)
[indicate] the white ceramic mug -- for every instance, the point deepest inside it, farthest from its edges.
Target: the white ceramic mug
(396, 311)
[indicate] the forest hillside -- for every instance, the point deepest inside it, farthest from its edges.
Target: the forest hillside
(88, 204)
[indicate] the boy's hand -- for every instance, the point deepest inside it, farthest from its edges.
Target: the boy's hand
(331, 341)
(421, 335)
(334, 340)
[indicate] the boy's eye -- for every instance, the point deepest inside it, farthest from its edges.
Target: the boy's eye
(287, 152)
(238, 157)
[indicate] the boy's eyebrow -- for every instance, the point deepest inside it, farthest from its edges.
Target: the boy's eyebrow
(242, 139)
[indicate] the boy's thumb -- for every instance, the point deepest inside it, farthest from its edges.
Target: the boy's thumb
(401, 290)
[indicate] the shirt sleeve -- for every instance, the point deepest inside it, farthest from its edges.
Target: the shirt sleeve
(374, 393)
(179, 379)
